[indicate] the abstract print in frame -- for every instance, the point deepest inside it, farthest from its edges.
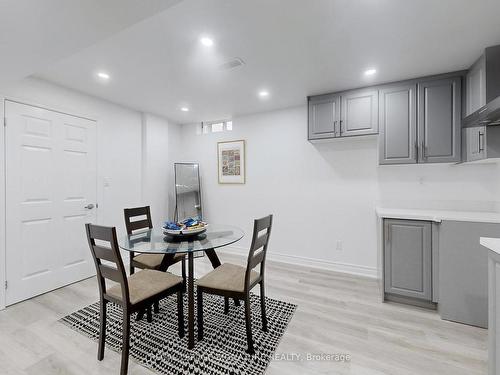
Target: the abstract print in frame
(231, 162)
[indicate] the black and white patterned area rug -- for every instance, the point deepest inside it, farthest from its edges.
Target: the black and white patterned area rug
(158, 347)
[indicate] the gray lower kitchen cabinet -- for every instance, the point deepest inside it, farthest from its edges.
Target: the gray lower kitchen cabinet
(474, 143)
(324, 117)
(397, 119)
(408, 259)
(463, 271)
(439, 120)
(494, 313)
(359, 113)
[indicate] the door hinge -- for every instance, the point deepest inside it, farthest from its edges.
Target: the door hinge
(5, 121)
(6, 284)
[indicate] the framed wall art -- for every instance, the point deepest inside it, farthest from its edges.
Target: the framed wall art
(231, 162)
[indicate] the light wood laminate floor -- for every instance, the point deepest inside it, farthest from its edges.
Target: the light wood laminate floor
(337, 313)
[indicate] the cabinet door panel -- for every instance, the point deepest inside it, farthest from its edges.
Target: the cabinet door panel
(476, 86)
(408, 258)
(397, 117)
(474, 143)
(359, 113)
(439, 120)
(324, 116)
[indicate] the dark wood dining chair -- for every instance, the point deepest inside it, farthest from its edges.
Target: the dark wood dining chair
(133, 294)
(142, 216)
(232, 281)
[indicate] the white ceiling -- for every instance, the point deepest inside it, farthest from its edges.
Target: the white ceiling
(293, 48)
(36, 33)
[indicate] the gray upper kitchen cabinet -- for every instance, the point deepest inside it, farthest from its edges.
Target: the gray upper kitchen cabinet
(324, 117)
(475, 82)
(408, 259)
(439, 120)
(359, 113)
(397, 118)
(474, 143)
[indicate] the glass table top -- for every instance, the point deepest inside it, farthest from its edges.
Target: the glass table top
(153, 241)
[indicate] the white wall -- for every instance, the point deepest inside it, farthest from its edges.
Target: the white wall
(321, 193)
(161, 139)
(120, 158)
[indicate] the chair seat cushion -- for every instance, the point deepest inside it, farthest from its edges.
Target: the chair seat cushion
(153, 261)
(228, 277)
(145, 284)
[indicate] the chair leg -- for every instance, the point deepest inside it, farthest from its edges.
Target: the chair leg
(248, 321)
(183, 272)
(149, 313)
(226, 305)
(140, 315)
(263, 306)
(199, 294)
(180, 313)
(156, 306)
(102, 330)
(132, 270)
(126, 342)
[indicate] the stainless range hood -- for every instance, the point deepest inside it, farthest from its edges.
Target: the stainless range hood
(489, 114)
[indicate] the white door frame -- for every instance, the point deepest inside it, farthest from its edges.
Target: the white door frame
(3, 257)
(3, 214)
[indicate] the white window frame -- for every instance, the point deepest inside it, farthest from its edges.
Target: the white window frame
(206, 126)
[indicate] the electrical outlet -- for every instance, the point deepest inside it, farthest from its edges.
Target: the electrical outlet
(339, 245)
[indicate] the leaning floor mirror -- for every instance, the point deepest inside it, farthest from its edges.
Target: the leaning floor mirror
(187, 191)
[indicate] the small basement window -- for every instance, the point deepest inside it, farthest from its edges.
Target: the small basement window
(216, 126)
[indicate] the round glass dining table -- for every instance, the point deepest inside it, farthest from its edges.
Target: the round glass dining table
(154, 241)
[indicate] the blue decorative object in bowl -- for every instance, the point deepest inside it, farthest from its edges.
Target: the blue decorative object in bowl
(188, 227)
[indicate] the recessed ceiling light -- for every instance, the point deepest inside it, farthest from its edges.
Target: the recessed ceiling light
(206, 41)
(263, 94)
(103, 75)
(184, 109)
(370, 72)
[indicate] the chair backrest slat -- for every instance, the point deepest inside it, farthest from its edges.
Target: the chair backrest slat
(111, 254)
(110, 273)
(258, 248)
(139, 224)
(263, 223)
(133, 225)
(260, 241)
(104, 253)
(256, 259)
(100, 233)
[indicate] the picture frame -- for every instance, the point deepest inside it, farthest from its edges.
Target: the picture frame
(231, 162)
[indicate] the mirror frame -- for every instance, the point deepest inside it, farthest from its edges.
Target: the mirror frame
(176, 218)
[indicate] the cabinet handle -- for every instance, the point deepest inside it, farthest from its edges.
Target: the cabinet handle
(416, 150)
(481, 142)
(341, 127)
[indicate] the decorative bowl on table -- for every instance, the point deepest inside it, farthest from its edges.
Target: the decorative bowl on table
(186, 228)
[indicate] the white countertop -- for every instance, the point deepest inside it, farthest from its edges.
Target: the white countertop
(491, 243)
(438, 215)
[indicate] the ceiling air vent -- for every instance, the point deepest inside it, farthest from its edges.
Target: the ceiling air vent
(232, 64)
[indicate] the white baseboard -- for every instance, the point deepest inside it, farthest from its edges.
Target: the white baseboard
(352, 269)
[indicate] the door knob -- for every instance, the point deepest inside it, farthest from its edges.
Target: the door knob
(89, 206)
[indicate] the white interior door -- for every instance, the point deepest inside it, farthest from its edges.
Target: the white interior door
(51, 193)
